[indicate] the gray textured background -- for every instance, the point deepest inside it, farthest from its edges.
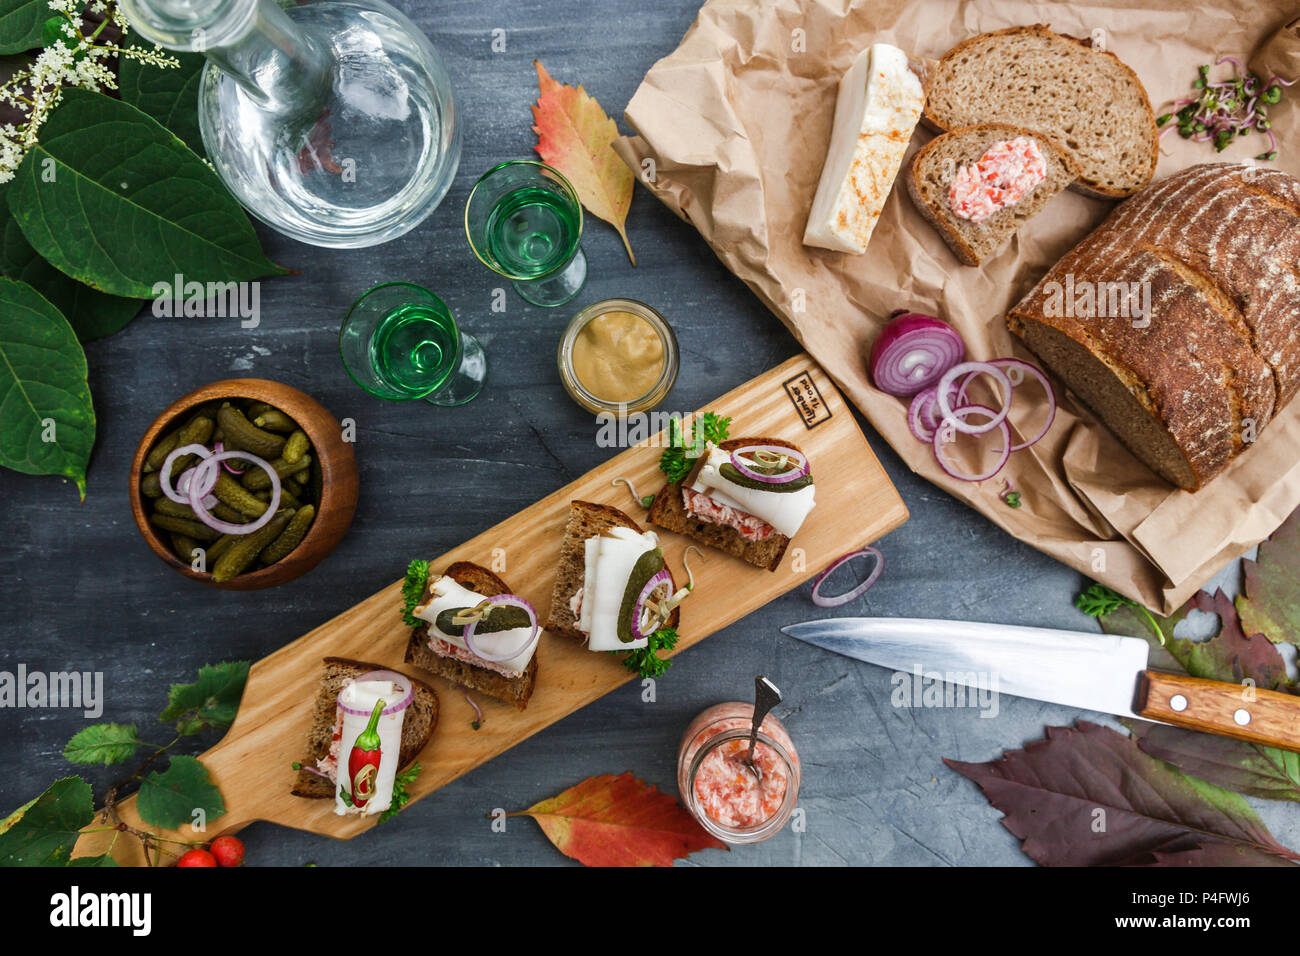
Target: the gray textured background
(81, 590)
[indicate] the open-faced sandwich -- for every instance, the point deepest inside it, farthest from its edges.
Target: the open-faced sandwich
(367, 725)
(613, 589)
(745, 496)
(471, 630)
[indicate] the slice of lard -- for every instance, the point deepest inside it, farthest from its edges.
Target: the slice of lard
(878, 106)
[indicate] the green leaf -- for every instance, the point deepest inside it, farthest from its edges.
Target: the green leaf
(47, 423)
(45, 834)
(104, 860)
(1251, 769)
(214, 697)
(169, 799)
(103, 743)
(417, 579)
(21, 23)
(92, 314)
(1270, 601)
(115, 200)
(401, 791)
(171, 96)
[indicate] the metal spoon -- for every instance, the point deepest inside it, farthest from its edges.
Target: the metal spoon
(766, 696)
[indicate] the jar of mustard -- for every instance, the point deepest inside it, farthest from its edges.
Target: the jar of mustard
(618, 356)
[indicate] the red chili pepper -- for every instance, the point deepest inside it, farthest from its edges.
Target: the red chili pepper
(363, 761)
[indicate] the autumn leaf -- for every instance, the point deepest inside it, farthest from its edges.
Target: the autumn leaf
(619, 821)
(1270, 601)
(1087, 796)
(575, 136)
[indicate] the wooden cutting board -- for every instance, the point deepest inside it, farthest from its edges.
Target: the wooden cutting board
(855, 505)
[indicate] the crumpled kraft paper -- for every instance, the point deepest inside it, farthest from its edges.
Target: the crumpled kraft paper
(732, 132)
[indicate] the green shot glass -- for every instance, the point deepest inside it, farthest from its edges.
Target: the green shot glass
(400, 341)
(523, 220)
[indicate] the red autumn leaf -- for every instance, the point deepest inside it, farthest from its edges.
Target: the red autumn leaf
(1087, 796)
(1270, 601)
(576, 137)
(619, 821)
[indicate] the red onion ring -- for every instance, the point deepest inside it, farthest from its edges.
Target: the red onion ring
(165, 474)
(219, 447)
(1005, 450)
(513, 600)
(408, 693)
(225, 527)
(1013, 365)
(786, 476)
(945, 408)
(836, 600)
(657, 580)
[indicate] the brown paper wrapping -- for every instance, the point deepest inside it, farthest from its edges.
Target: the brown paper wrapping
(732, 131)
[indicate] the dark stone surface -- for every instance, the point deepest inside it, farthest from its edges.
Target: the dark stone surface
(81, 590)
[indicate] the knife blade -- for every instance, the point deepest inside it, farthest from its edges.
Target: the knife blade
(1100, 672)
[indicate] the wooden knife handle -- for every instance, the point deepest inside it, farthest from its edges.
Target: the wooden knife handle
(1214, 707)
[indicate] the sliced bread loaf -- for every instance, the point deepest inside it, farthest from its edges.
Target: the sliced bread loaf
(514, 690)
(418, 722)
(586, 520)
(1189, 379)
(669, 511)
(1084, 99)
(934, 167)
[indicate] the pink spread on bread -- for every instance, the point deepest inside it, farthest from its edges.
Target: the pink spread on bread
(447, 649)
(1004, 175)
(701, 506)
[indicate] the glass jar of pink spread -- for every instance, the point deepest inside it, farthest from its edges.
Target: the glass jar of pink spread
(717, 786)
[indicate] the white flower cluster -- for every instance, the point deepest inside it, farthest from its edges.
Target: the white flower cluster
(74, 59)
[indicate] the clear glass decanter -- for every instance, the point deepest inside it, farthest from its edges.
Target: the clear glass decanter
(333, 123)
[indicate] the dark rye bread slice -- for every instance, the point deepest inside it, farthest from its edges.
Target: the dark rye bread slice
(1217, 247)
(515, 690)
(1086, 100)
(586, 520)
(669, 512)
(417, 723)
(935, 166)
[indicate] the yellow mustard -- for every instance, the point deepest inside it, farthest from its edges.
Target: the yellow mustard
(618, 356)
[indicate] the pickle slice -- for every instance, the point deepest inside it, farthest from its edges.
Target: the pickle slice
(503, 617)
(647, 566)
(734, 475)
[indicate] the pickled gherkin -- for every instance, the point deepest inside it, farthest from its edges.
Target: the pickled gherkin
(291, 537)
(244, 551)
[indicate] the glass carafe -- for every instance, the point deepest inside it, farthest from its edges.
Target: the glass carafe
(333, 123)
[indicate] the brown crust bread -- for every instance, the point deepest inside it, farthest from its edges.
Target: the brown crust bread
(935, 165)
(586, 519)
(669, 512)
(417, 725)
(1217, 245)
(516, 690)
(1056, 124)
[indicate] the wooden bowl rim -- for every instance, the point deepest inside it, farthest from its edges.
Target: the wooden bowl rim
(265, 390)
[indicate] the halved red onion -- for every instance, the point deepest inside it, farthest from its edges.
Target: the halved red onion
(199, 480)
(912, 352)
(835, 600)
(940, 438)
(165, 474)
(407, 694)
(513, 600)
(798, 457)
(656, 581)
(943, 397)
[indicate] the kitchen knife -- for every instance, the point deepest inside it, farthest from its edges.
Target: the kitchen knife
(1100, 672)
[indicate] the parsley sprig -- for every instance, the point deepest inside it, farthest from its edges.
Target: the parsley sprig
(679, 458)
(417, 578)
(1099, 600)
(401, 790)
(645, 661)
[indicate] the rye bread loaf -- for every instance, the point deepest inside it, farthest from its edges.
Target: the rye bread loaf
(669, 511)
(1188, 385)
(586, 520)
(935, 166)
(512, 690)
(1086, 100)
(418, 722)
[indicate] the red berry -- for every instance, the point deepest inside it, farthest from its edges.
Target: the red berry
(197, 858)
(228, 850)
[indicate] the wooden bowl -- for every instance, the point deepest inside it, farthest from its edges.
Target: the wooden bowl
(338, 479)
